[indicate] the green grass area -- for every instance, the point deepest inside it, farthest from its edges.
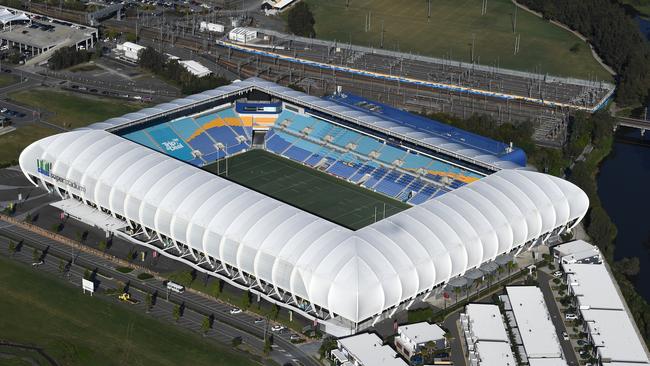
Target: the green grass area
(16, 356)
(12, 143)
(309, 189)
(7, 79)
(454, 24)
(73, 110)
(84, 67)
(77, 329)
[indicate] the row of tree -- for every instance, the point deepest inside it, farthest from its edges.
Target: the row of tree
(68, 56)
(301, 20)
(157, 63)
(615, 36)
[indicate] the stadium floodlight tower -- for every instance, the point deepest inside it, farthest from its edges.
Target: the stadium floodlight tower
(345, 279)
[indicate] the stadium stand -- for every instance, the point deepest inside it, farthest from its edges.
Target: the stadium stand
(355, 156)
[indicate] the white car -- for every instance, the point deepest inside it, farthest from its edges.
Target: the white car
(277, 328)
(570, 316)
(258, 320)
(557, 273)
(235, 311)
(565, 336)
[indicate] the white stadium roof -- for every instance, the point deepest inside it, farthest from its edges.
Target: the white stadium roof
(355, 274)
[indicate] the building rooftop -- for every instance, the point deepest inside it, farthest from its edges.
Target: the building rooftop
(195, 68)
(576, 250)
(495, 354)
(593, 287)
(368, 348)
(547, 362)
(421, 332)
(614, 335)
(486, 322)
(534, 322)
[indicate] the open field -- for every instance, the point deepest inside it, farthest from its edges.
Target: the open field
(7, 79)
(80, 330)
(12, 143)
(454, 26)
(308, 189)
(73, 110)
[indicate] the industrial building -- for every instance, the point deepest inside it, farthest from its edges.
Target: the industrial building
(604, 315)
(534, 325)
(195, 68)
(130, 51)
(473, 206)
(577, 251)
(242, 35)
(38, 34)
(485, 334)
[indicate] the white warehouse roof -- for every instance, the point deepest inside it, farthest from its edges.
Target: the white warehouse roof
(534, 322)
(369, 349)
(195, 68)
(486, 323)
(421, 332)
(614, 336)
(495, 354)
(593, 286)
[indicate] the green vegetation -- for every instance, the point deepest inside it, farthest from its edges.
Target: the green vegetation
(73, 110)
(124, 269)
(308, 189)
(453, 28)
(15, 356)
(68, 56)
(301, 20)
(171, 70)
(12, 143)
(614, 34)
(6, 80)
(641, 6)
(144, 276)
(82, 330)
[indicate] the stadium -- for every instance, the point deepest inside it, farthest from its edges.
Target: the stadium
(341, 209)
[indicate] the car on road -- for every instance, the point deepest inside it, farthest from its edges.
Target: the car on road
(3, 110)
(565, 336)
(277, 328)
(570, 316)
(295, 337)
(36, 264)
(258, 320)
(557, 273)
(235, 311)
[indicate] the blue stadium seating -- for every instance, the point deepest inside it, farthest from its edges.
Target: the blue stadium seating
(367, 144)
(345, 138)
(170, 142)
(389, 154)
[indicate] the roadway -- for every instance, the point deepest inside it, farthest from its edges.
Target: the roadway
(196, 307)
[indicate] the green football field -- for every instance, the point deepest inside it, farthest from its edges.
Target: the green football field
(452, 29)
(308, 189)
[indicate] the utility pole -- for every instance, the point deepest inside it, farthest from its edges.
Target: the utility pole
(514, 22)
(473, 43)
(381, 43)
(428, 10)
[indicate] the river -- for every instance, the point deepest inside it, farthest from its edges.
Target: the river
(624, 189)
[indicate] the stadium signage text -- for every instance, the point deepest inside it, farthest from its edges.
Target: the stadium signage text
(44, 167)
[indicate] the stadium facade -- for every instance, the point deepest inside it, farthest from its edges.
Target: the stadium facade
(472, 199)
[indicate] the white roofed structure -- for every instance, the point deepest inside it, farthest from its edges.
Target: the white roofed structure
(195, 68)
(534, 322)
(368, 350)
(592, 287)
(495, 354)
(614, 336)
(351, 276)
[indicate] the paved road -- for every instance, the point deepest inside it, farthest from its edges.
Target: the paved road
(197, 307)
(556, 317)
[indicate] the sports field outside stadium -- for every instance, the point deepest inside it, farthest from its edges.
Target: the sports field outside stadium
(307, 189)
(453, 27)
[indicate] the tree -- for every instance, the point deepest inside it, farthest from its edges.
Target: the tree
(207, 324)
(490, 279)
(35, 254)
(629, 267)
(500, 271)
(246, 300)
(177, 312)
(148, 301)
(329, 343)
(102, 245)
(512, 265)
(268, 344)
(12, 247)
(67, 57)
(61, 266)
(477, 283)
(87, 274)
(301, 20)
(456, 292)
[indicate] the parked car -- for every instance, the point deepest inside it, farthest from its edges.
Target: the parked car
(295, 337)
(570, 316)
(258, 320)
(557, 273)
(565, 336)
(235, 311)
(277, 328)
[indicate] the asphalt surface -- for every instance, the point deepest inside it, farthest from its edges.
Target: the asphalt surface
(557, 317)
